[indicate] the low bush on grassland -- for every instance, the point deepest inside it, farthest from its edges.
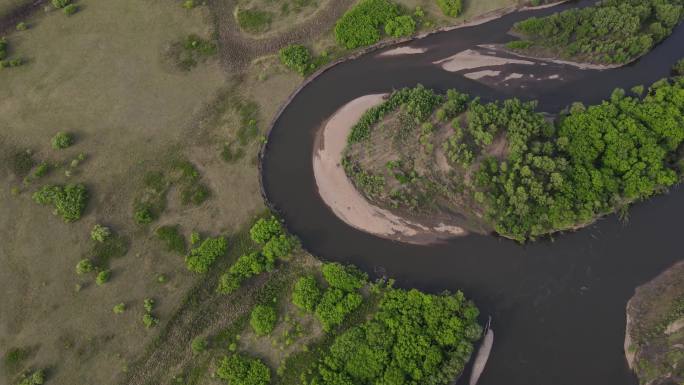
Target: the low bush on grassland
(254, 20)
(69, 201)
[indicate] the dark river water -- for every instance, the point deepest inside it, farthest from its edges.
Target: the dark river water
(558, 307)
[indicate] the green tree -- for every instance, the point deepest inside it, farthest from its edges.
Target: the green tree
(201, 258)
(306, 293)
(100, 233)
(103, 277)
(450, 7)
(348, 278)
(400, 26)
(264, 229)
(84, 266)
(296, 57)
(238, 369)
(62, 140)
(263, 319)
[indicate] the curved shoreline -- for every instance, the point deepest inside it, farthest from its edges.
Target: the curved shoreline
(341, 196)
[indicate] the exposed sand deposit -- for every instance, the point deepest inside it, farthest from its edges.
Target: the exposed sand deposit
(338, 192)
(471, 59)
(481, 74)
(403, 51)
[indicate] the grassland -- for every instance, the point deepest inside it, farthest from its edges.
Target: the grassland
(108, 76)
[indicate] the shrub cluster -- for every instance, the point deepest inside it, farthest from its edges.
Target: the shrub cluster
(269, 233)
(69, 201)
(611, 32)
(202, 257)
(148, 319)
(360, 25)
(451, 8)
(263, 319)
(306, 293)
(35, 378)
(400, 26)
(62, 140)
(100, 233)
(296, 57)
(242, 370)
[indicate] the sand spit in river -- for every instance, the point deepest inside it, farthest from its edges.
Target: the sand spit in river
(339, 193)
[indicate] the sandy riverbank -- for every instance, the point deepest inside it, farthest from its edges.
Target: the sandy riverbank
(340, 194)
(471, 59)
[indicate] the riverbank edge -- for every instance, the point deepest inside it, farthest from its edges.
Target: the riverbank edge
(478, 20)
(669, 274)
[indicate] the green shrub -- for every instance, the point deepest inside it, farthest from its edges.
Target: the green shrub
(195, 238)
(263, 319)
(149, 320)
(84, 266)
(143, 215)
(62, 140)
(347, 278)
(148, 305)
(60, 3)
(306, 293)
(400, 26)
(199, 345)
(334, 307)
(519, 44)
(360, 25)
(296, 57)
(265, 229)
(69, 201)
(22, 26)
(278, 247)
(196, 194)
(14, 357)
(173, 239)
(119, 308)
(35, 378)
(201, 258)
(245, 267)
(238, 369)
(100, 233)
(42, 170)
(189, 4)
(70, 9)
(254, 20)
(450, 7)
(103, 277)
(678, 68)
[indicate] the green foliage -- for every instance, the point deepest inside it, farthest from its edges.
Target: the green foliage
(69, 201)
(245, 267)
(201, 258)
(189, 4)
(451, 8)
(278, 247)
(143, 215)
(148, 305)
(149, 320)
(71, 9)
(35, 378)
(414, 338)
(296, 57)
(400, 26)
(263, 319)
(334, 306)
(22, 26)
(360, 25)
(610, 32)
(103, 277)
(119, 308)
(306, 293)
(238, 369)
(100, 233)
(678, 68)
(60, 3)
(264, 229)
(14, 357)
(42, 170)
(254, 20)
(173, 239)
(199, 344)
(62, 140)
(84, 266)
(348, 278)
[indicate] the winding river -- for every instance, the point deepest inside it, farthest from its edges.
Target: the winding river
(558, 307)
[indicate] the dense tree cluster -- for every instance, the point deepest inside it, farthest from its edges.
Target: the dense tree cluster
(69, 201)
(414, 338)
(361, 25)
(612, 31)
(306, 293)
(238, 369)
(202, 257)
(263, 319)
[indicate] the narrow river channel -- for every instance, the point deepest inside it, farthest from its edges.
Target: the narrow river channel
(558, 307)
